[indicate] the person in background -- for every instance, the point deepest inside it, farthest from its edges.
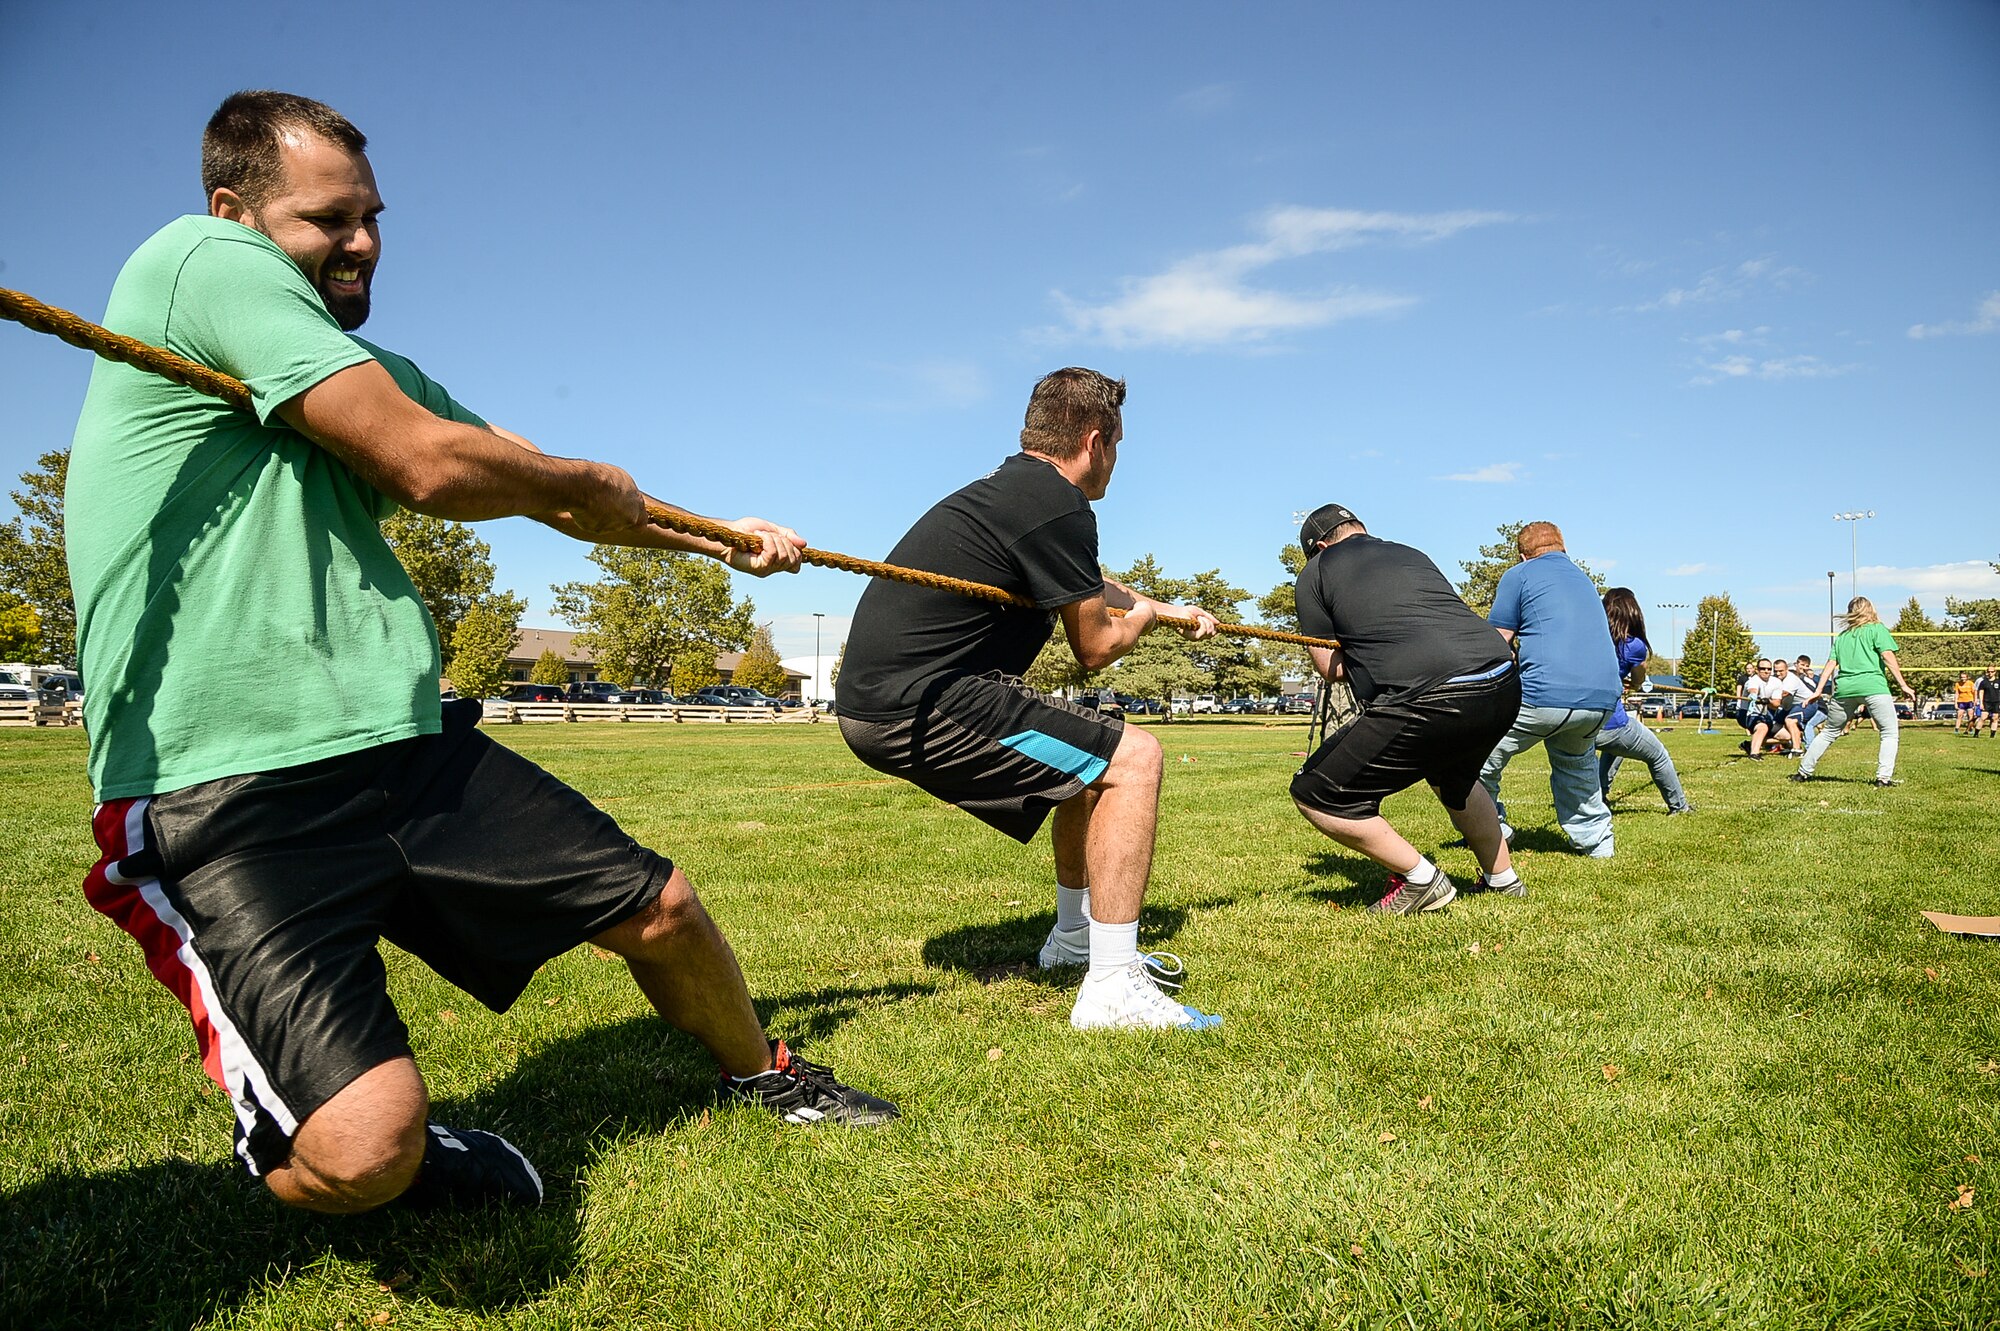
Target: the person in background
(1623, 737)
(1814, 710)
(1989, 698)
(1749, 693)
(1547, 607)
(1858, 673)
(1965, 714)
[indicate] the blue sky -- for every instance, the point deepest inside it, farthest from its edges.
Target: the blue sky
(1685, 279)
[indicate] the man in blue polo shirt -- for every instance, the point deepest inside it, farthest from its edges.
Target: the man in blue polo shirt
(1548, 608)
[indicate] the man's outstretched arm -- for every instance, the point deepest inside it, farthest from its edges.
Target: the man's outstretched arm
(452, 470)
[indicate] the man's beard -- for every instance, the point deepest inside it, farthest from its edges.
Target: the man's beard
(350, 312)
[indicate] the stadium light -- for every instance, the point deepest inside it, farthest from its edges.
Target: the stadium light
(1674, 609)
(817, 617)
(1853, 521)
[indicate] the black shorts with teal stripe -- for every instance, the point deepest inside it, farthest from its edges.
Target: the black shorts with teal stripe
(994, 747)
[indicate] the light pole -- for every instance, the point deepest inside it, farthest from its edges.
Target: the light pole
(1853, 521)
(1674, 609)
(817, 617)
(1832, 620)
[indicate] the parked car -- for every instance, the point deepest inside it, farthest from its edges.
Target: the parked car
(16, 693)
(1904, 712)
(1204, 703)
(1238, 707)
(1655, 706)
(1299, 704)
(1691, 710)
(594, 691)
(1133, 704)
(532, 693)
(732, 695)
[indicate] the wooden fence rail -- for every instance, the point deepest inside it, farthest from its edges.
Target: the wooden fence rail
(41, 714)
(531, 713)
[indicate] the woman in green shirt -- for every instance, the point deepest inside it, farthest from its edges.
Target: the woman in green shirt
(1855, 674)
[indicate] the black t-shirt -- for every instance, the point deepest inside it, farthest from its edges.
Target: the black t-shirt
(1400, 625)
(1022, 527)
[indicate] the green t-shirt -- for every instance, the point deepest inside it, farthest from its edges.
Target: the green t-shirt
(1858, 653)
(237, 608)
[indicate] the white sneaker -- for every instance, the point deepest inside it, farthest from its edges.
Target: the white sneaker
(1071, 947)
(1066, 947)
(1129, 998)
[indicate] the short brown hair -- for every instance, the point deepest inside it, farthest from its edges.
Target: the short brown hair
(1538, 538)
(240, 149)
(1067, 405)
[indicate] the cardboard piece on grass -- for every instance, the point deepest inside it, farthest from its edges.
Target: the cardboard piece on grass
(1969, 926)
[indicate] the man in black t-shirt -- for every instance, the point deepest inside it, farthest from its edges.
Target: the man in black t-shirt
(1437, 688)
(929, 689)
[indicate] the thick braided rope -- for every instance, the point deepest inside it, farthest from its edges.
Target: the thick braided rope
(80, 332)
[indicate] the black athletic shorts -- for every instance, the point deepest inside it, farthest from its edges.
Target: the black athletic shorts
(994, 747)
(259, 901)
(1442, 735)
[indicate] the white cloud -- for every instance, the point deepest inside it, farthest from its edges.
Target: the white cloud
(1965, 578)
(1498, 473)
(1207, 99)
(1206, 299)
(1726, 283)
(1690, 570)
(1736, 367)
(1987, 319)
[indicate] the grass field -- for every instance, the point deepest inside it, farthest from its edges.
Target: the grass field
(1728, 1079)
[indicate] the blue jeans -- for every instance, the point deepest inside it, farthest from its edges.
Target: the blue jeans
(1839, 711)
(1633, 740)
(1811, 720)
(1569, 735)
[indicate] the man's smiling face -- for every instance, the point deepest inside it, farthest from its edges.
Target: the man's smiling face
(325, 218)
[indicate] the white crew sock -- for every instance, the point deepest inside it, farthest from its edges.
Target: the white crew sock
(1113, 946)
(1423, 873)
(1503, 878)
(1072, 907)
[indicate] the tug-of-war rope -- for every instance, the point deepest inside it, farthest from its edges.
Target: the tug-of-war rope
(80, 332)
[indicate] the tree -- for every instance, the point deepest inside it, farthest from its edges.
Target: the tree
(653, 609)
(760, 668)
(480, 646)
(1279, 609)
(451, 567)
(20, 629)
(839, 659)
(692, 671)
(1055, 668)
(1925, 661)
(1162, 663)
(548, 669)
(33, 564)
(1482, 575)
(1718, 625)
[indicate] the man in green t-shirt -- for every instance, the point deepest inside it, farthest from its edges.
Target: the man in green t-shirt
(258, 846)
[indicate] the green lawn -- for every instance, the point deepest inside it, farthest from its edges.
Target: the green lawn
(1728, 1079)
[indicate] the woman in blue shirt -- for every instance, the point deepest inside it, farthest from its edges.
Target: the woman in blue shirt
(1623, 737)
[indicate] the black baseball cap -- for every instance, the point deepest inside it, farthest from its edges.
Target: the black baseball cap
(1322, 523)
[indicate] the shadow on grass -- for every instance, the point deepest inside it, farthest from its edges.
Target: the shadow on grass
(176, 1242)
(1010, 949)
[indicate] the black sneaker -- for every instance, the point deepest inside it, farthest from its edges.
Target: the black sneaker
(1407, 898)
(1517, 888)
(1800, 776)
(802, 1092)
(1887, 781)
(467, 1167)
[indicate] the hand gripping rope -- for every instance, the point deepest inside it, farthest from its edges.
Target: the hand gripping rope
(80, 332)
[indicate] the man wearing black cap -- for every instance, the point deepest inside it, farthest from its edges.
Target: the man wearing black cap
(1437, 690)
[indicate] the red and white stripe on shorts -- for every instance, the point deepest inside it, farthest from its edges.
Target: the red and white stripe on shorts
(137, 905)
